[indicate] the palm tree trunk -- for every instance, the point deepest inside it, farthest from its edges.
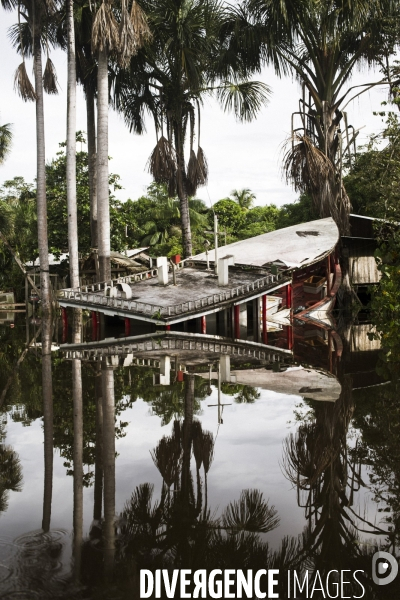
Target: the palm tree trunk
(45, 289)
(77, 448)
(98, 469)
(71, 152)
(182, 194)
(91, 139)
(103, 207)
(47, 390)
(109, 466)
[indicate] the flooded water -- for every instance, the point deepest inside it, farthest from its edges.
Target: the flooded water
(175, 450)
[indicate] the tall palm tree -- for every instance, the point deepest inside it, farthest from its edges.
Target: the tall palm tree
(320, 43)
(245, 197)
(71, 151)
(5, 141)
(121, 41)
(188, 58)
(37, 15)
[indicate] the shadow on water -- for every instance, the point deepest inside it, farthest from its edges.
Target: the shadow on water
(79, 526)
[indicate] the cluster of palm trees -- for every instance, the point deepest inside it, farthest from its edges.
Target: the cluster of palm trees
(164, 57)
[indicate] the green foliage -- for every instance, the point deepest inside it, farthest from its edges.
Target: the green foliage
(57, 204)
(158, 221)
(373, 181)
(231, 216)
(300, 211)
(259, 220)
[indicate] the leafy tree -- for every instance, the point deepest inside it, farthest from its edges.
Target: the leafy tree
(231, 216)
(300, 211)
(259, 220)
(373, 180)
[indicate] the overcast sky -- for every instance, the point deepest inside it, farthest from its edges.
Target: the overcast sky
(239, 155)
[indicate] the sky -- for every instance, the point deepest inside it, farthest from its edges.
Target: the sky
(239, 155)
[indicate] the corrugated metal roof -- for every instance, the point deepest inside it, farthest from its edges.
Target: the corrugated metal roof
(293, 246)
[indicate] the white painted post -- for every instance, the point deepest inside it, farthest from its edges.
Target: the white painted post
(225, 362)
(162, 266)
(165, 370)
(223, 264)
(215, 244)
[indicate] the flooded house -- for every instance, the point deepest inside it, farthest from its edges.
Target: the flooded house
(249, 289)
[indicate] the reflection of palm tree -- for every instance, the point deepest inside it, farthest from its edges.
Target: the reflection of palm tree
(78, 445)
(10, 474)
(316, 462)
(47, 389)
(178, 530)
(107, 376)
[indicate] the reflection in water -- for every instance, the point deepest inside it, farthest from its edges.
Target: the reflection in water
(10, 474)
(175, 524)
(107, 376)
(47, 391)
(77, 447)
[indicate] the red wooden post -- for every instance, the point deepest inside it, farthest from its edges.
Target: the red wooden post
(94, 325)
(290, 337)
(179, 376)
(64, 315)
(236, 319)
(328, 276)
(127, 327)
(168, 328)
(289, 295)
(264, 318)
(203, 324)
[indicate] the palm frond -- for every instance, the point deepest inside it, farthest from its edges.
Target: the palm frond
(127, 37)
(162, 163)
(5, 141)
(23, 85)
(250, 513)
(10, 469)
(166, 457)
(310, 170)
(140, 25)
(105, 29)
(245, 98)
(50, 78)
(197, 171)
(207, 450)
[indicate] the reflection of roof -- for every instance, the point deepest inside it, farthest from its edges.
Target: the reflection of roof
(292, 246)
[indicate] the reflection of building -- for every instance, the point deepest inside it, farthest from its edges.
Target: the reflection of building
(240, 362)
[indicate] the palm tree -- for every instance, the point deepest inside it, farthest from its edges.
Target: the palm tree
(71, 151)
(245, 197)
(5, 141)
(37, 15)
(187, 59)
(122, 41)
(320, 43)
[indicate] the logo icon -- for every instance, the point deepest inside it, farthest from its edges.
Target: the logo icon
(384, 568)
